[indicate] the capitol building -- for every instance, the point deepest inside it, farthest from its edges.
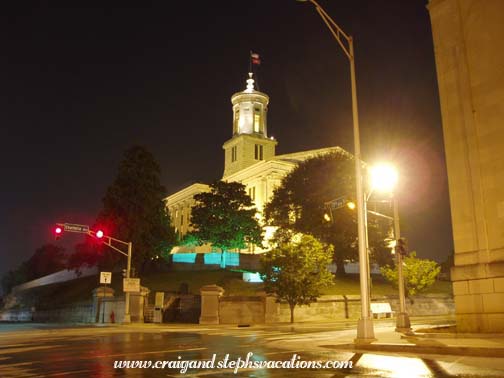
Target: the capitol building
(249, 158)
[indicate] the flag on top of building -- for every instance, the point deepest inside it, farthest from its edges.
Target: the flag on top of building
(255, 58)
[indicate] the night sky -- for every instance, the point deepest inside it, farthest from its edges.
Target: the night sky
(79, 85)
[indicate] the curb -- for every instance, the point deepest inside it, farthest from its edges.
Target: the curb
(452, 335)
(415, 349)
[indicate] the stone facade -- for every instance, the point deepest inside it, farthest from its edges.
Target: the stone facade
(470, 68)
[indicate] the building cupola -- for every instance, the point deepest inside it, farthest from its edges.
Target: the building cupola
(250, 110)
(249, 143)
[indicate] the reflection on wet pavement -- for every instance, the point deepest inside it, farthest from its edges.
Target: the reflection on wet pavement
(92, 354)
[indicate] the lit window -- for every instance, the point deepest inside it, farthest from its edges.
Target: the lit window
(257, 118)
(236, 119)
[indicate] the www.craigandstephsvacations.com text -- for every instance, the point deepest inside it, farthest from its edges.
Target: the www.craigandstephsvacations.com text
(235, 364)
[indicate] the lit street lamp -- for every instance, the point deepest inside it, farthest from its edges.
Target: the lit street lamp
(365, 331)
(384, 178)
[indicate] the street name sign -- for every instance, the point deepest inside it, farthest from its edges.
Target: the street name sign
(131, 285)
(337, 203)
(105, 277)
(81, 228)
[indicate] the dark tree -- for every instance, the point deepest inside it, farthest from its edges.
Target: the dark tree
(88, 253)
(133, 210)
(47, 259)
(225, 217)
(298, 205)
(13, 278)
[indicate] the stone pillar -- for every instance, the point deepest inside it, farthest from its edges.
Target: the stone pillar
(469, 69)
(100, 295)
(210, 304)
(138, 301)
(271, 309)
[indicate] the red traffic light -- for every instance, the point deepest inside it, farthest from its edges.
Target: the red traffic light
(99, 234)
(58, 231)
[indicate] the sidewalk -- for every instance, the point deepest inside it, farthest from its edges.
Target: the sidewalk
(390, 342)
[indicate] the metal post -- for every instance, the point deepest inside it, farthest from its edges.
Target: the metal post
(402, 321)
(370, 283)
(365, 331)
(127, 315)
(103, 303)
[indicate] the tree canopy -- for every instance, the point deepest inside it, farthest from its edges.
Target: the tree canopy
(296, 271)
(47, 259)
(133, 210)
(299, 205)
(419, 274)
(225, 217)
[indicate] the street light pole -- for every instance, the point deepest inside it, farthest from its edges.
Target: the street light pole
(402, 321)
(365, 331)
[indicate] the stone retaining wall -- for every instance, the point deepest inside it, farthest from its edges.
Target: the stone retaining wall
(265, 309)
(248, 310)
(77, 313)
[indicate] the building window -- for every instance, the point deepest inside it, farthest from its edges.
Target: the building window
(251, 193)
(257, 118)
(256, 123)
(236, 120)
(234, 153)
(258, 152)
(181, 220)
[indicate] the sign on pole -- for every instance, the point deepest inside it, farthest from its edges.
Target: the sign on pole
(131, 285)
(81, 228)
(159, 299)
(338, 203)
(105, 277)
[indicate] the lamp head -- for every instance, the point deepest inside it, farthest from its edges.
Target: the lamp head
(383, 177)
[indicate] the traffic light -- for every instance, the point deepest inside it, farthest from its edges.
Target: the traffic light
(401, 246)
(98, 235)
(58, 231)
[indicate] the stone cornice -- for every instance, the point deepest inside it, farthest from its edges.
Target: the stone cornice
(186, 193)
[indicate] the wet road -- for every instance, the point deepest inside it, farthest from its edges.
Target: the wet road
(92, 352)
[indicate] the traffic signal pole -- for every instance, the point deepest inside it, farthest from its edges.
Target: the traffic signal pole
(108, 241)
(402, 321)
(127, 315)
